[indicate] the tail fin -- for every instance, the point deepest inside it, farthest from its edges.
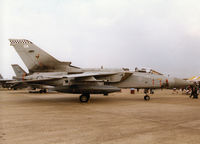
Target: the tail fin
(1, 76)
(35, 58)
(19, 72)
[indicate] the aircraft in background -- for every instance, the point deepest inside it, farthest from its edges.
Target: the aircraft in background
(19, 72)
(5, 82)
(21, 75)
(1, 76)
(64, 77)
(193, 79)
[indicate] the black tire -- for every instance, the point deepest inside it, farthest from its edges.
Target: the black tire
(195, 96)
(84, 98)
(41, 91)
(147, 98)
(3, 86)
(44, 90)
(151, 92)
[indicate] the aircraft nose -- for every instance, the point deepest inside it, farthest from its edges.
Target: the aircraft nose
(180, 83)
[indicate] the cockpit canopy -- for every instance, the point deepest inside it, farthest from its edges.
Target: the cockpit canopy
(147, 70)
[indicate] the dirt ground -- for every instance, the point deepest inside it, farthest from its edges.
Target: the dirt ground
(55, 118)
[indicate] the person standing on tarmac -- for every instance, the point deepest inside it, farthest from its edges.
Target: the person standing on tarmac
(199, 87)
(195, 93)
(192, 92)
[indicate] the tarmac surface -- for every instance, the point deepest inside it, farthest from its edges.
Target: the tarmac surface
(56, 118)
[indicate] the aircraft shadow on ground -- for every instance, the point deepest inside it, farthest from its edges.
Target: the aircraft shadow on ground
(70, 98)
(75, 99)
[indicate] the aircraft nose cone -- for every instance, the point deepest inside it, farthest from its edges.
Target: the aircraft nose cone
(180, 83)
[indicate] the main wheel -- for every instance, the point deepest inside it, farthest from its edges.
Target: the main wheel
(84, 98)
(44, 90)
(14, 88)
(147, 98)
(4, 85)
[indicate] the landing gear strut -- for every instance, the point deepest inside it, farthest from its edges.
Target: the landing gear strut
(151, 91)
(84, 98)
(146, 97)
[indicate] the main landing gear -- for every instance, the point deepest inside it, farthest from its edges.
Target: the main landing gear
(43, 91)
(146, 97)
(84, 97)
(40, 91)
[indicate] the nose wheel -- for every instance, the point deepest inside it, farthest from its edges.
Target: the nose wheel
(146, 98)
(43, 91)
(84, 98)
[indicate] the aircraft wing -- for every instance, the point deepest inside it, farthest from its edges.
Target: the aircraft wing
(5, 80)
(82, 75)
(25, 82)
(52, 78)
(34, 80)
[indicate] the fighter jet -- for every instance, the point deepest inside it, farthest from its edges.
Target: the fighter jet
(8, 83)
(64, 77)
(5, 82)
(194, 79)
(19, 72)
(1, 76)
(20, 81)
(1, 80)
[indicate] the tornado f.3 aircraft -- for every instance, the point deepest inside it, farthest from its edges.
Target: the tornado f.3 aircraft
(22, 75)
(63, 77)
(5, 82)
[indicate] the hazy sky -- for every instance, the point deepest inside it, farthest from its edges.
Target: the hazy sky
(159, 34)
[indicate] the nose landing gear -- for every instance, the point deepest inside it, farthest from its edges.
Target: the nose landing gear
(146, 91)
